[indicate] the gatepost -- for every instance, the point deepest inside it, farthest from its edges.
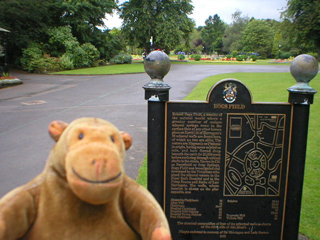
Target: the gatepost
(228, 168)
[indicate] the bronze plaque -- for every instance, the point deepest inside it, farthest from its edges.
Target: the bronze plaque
(226, 166)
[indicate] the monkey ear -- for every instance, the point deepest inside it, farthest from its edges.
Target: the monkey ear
(56, 128)
(127, 139)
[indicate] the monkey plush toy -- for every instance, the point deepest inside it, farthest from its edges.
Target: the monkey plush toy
(83, 192)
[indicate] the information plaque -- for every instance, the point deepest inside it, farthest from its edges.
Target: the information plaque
(226, 165)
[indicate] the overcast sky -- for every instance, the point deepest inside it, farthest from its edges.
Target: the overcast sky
(259, 9)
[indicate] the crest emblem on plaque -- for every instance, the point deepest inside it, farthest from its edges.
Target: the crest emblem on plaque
(230, 92)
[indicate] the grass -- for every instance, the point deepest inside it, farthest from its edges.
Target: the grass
(203, 62)
(137, 67)
(111, 69)
(271, 87)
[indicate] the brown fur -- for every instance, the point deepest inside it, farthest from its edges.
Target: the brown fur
(83, 192)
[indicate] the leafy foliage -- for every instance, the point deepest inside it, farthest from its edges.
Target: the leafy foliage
(197, 57)
(29, 21)
(84, 16)
(66, 62)
(258, 37)
(232, 34)
(34, 60)
(121, 59)
(181, 56)
(253, 57)
(114, 43)
(80, 56)
(305, 29)
(212, 34)
(166, 22)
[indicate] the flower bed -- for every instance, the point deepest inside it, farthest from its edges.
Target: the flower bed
(9, 81)
(280, 61)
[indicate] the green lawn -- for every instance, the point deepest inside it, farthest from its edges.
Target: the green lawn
(137, 67)
(271, 87)
(203, 62)
(110, 69)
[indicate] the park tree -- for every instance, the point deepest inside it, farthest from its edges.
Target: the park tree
(84, 16)
(30, 20)
(258, 37)
(212, 34)
(232, 35)
(164, 22)
(304, 15)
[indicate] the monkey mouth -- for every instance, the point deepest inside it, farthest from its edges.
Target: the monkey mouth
(95, 182)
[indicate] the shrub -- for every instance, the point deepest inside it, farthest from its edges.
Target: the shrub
(294, 52)
(244, 57)
(33, 60)
(197, 57)
(285, 55)
(234, 54)
(92, 53)
(43, 65)
(229, 56)
(121, 59)
(66, 62)
(31, 53)
(315, 55)
(239, 58)
(181, 56)
(79, 57)
(253, 57)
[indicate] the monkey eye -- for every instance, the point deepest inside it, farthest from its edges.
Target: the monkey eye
(80, 136)
(112, 138)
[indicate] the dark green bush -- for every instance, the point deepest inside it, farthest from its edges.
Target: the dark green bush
(234, 54)
(197, 57)
(244, 57)
(239, 58)
(66, 62)
(121, 59)
(181, 56)
(229, 56)
(315, 55)
(253, 57)
(31, 53)
(44, 65)
(285, 55)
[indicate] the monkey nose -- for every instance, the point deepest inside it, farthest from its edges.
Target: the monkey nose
(99, 165)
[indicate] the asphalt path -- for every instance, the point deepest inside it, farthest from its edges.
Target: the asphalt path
(27, 110)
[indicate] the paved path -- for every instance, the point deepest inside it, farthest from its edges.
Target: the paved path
(26, 111)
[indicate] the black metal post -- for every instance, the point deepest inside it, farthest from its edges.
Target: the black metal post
(303, 68)
(157, 65)
(156, 147)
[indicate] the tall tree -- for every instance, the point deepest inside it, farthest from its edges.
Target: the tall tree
(165, 22)
(212, 34)
(305, 17)
(30, 20)
(258, 37)
(84, 16)
(232, 35)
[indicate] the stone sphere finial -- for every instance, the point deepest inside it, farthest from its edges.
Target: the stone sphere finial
(157, 65)
(303, 68)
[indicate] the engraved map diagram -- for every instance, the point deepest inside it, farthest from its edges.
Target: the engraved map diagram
(254, 154)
